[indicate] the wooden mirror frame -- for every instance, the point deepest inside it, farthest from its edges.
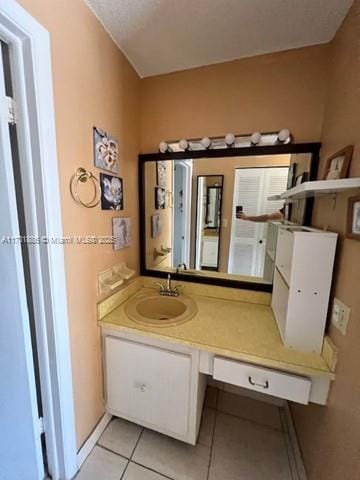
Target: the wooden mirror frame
(279, 149)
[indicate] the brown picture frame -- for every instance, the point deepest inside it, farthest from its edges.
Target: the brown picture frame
(347, 153)
(352, 205)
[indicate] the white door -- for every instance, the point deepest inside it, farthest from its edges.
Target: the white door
(20, 444)
(181, 211)
(252, 187)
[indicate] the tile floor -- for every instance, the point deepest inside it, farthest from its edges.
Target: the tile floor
(240, 439)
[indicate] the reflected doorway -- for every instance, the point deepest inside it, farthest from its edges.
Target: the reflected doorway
(252, 189)
(182, 184)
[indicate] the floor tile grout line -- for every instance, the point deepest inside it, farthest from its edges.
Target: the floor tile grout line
(137, 443)
(293, 469)
(132, 453)
(123, 473)
(212, 437)
(151, 469)
(109, 450)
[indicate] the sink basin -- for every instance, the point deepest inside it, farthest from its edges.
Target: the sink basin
(159, 310)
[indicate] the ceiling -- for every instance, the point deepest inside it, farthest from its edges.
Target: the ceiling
(162, 36)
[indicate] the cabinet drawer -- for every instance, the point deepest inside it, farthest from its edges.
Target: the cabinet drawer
(148, 385)
(271, 382)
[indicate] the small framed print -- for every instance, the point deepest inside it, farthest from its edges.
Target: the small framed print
(121, 232)
(156, 225)
(106, 151)
(353, 219)
(112, 194)
(161, 173)
(337, 166)
(160, 198)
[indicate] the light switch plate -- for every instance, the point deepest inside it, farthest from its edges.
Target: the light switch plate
(340, 315)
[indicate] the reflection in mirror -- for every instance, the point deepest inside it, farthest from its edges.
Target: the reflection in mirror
(196, 229)
(208, 222)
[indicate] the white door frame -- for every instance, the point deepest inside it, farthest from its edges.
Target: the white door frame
(29, 45)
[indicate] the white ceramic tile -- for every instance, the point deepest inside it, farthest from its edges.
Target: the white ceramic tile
(137, 472)
(243, 450)
(207, 427)
(250, 409)
(120, 436)
(211, 397)
(102, 464)
(171, 457)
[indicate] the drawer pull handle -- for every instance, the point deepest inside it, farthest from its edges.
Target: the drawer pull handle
(143, 387)
(254, 384)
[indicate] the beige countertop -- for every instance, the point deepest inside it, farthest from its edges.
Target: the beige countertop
(241, 330)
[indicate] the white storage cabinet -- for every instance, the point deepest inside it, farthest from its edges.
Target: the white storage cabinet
(154, 386)
(210, 250)
(302, 280)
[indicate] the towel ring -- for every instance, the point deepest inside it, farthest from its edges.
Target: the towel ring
(82, 175)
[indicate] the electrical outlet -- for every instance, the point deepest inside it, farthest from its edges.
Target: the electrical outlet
(340, 315)
(224, 222)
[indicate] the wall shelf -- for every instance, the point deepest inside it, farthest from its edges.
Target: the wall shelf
(320, 187)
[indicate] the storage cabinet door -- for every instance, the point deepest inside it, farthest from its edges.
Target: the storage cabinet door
(148, 385)
(284, 253)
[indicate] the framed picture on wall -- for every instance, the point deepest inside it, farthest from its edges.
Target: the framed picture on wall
(121, 232)
(161, 173)
(160, 198)
(106, 151)
(353, 219)
(112, 194)
(337, 166)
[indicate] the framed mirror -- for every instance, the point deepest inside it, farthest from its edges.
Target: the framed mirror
(201, 215)
(208, 223)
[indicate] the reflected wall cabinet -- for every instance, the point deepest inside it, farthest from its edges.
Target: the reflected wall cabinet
(302, 280)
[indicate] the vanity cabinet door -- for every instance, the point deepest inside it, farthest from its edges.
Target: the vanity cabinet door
(284, 253)
(148, 385)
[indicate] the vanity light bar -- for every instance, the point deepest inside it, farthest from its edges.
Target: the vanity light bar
(228, 141)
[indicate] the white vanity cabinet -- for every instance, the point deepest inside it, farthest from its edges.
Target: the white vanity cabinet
(303, 273)
(209, 251)
(149, 384)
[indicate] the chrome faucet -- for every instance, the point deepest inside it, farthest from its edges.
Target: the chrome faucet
(167, 289)
(181, 265)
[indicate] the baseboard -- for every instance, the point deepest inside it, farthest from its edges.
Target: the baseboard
(90, 443)
(294, 444)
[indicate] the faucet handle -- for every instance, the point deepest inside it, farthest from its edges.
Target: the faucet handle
(177, 288)
(162, 287)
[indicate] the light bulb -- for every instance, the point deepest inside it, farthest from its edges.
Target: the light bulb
(183, 144)
(163, 147)
(283, 135)
(206, 142)
(255, 138)
(229, 139)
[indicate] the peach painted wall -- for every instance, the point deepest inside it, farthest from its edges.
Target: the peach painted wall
(264, 93)
(93, 85)
(330, 436)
